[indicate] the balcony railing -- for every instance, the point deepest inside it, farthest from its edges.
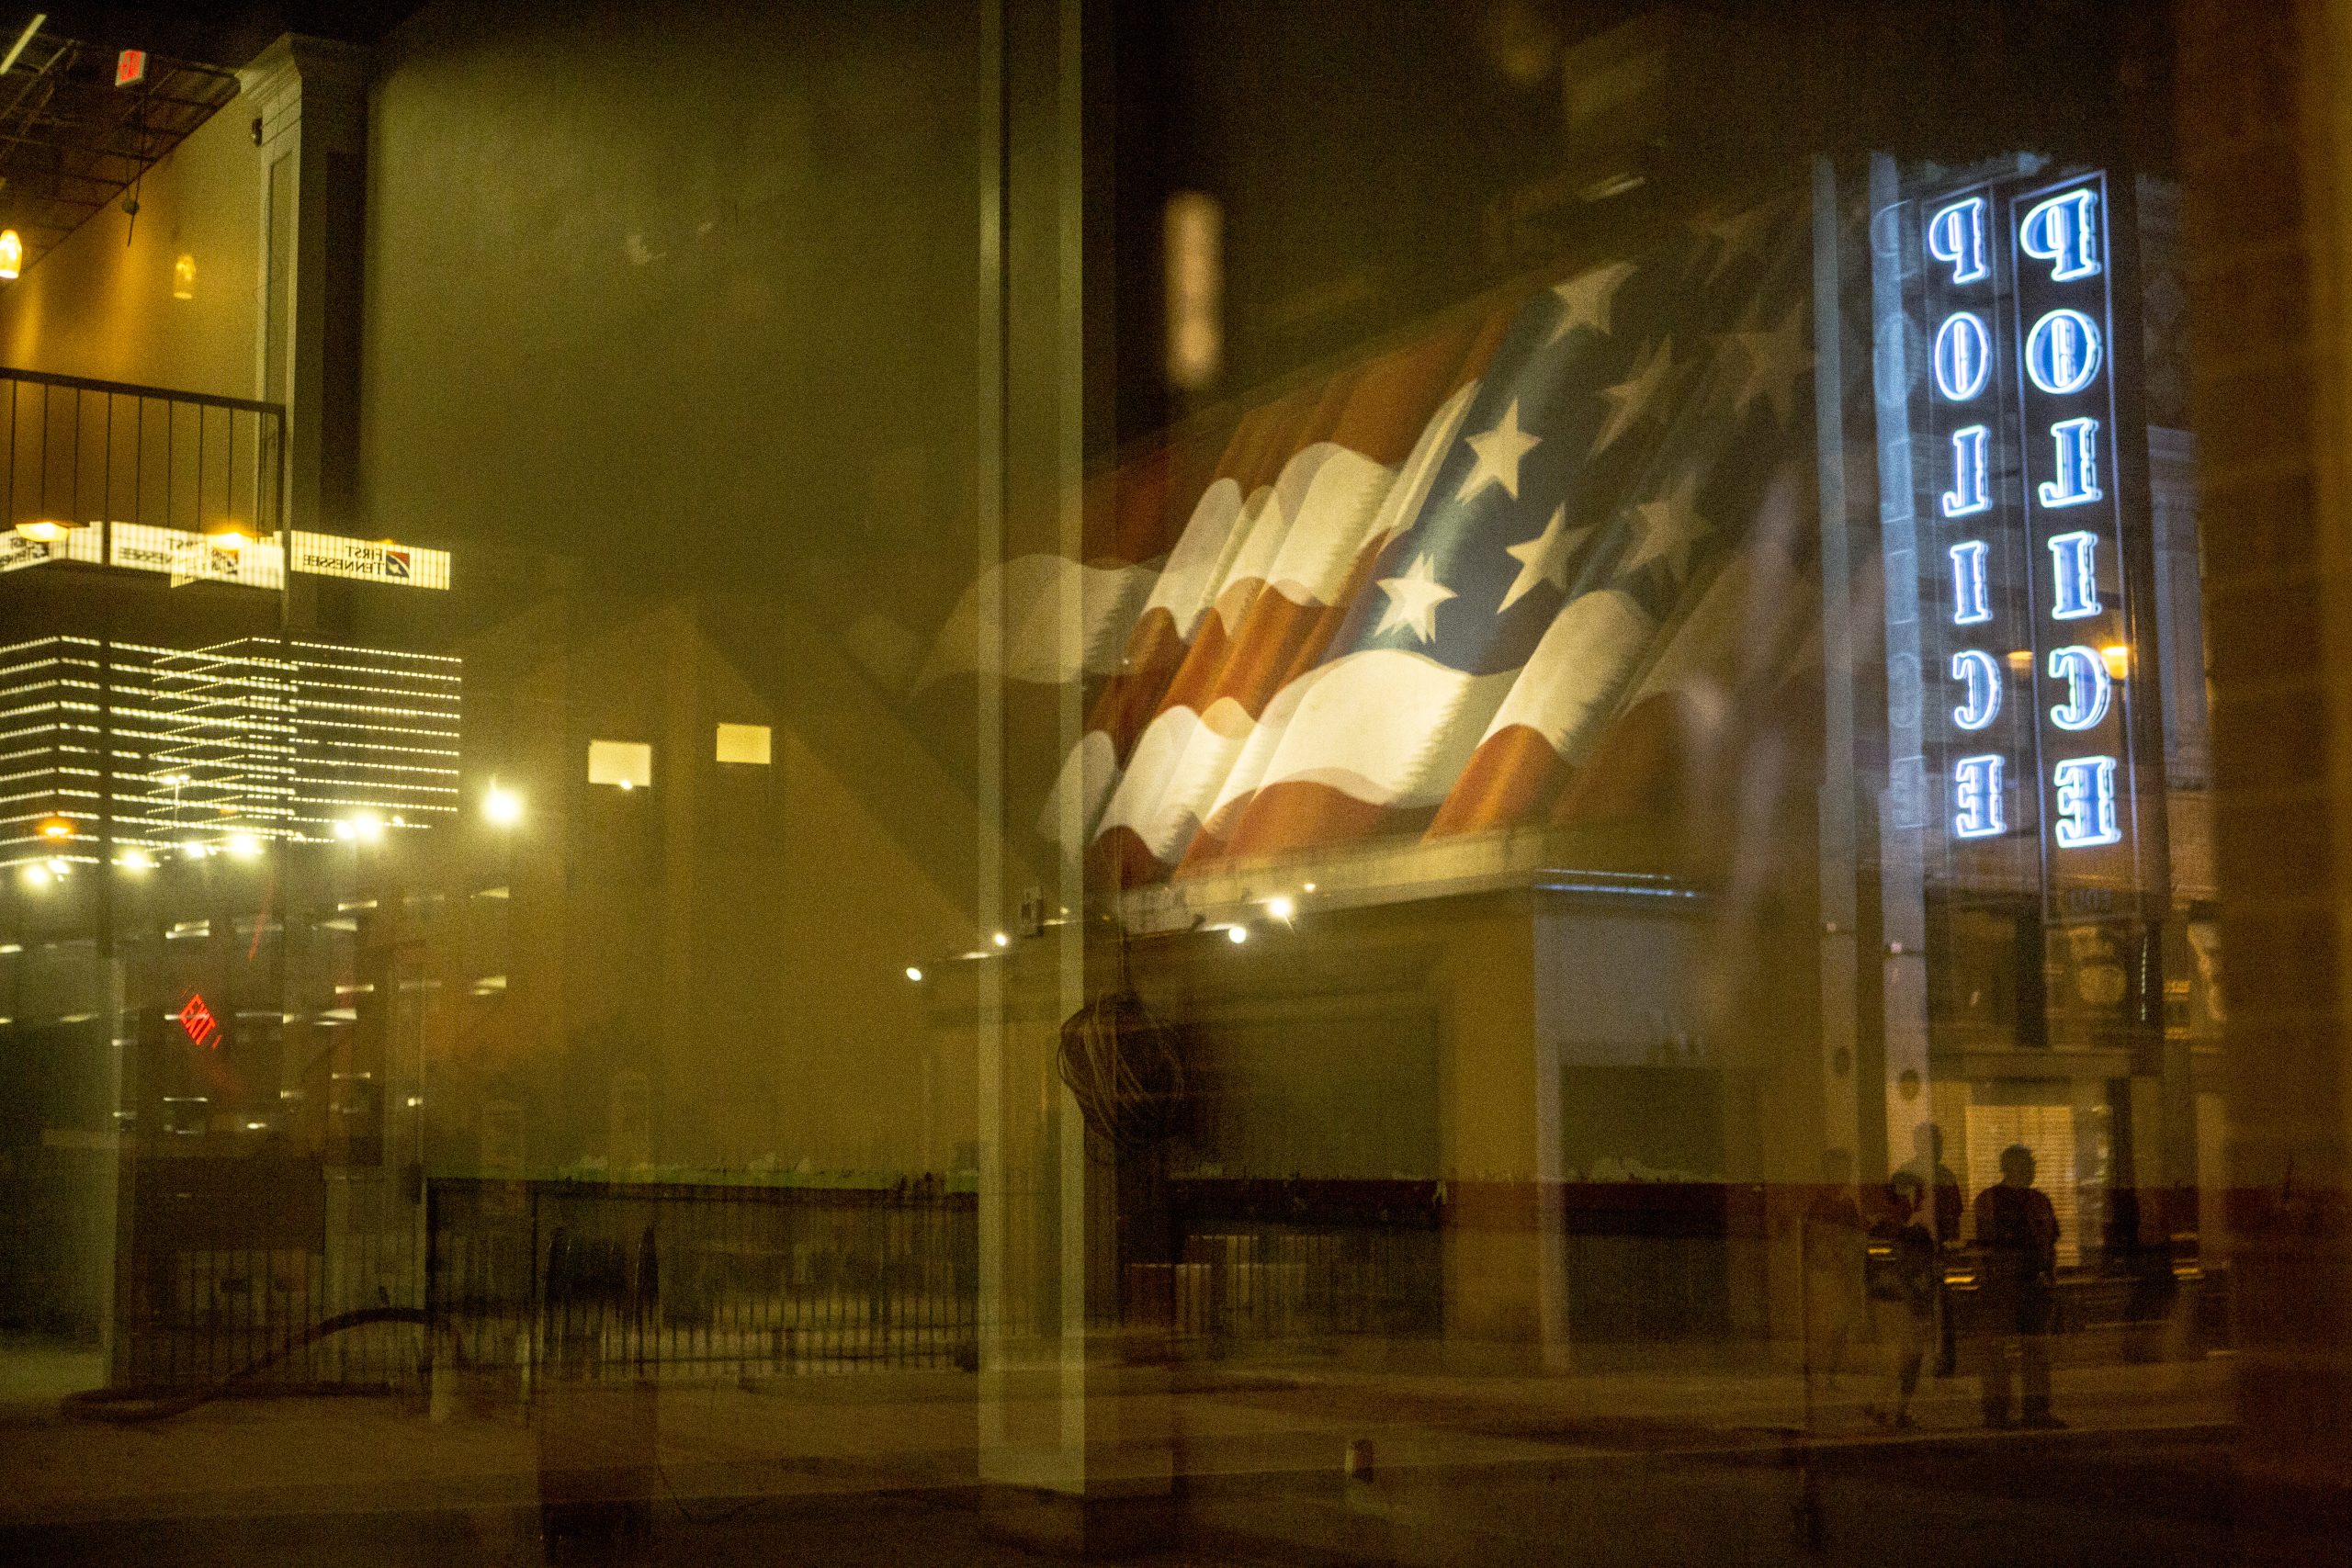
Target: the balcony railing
(84, 452)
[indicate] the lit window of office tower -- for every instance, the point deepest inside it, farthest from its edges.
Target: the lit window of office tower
(250, 737)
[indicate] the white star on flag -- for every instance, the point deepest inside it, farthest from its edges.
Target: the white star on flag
(1413, 600)
(1735, 235)
(1585, 299)
(1669, 527)
(1498, 450)
(1775, 360)
(1544, 559)
(1628, 398)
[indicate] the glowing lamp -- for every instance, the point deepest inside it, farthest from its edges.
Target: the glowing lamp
(184, 278)
(2117, 657)
(44, 530)
(502, 808)
(1237, 934)
(54, 827)
(227, 533)
(12, 254)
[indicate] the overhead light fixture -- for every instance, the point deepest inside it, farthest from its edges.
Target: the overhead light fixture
(135, 860)
(914, 973)
(227, 533)
(1282, 906)
(12, 254)
(43, 530)
(244, 846)
(1237, 934)
(56, 827)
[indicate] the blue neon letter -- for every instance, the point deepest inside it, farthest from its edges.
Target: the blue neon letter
(1964, 356)
(1976, 666)
(2087, 687)
(2085, 802)
(1970, 606)
(1956, 235)
(2062, 353)
(1976, 797)
(2077, 481)
(2074, 566)
(2063, 232)
(1969, 491)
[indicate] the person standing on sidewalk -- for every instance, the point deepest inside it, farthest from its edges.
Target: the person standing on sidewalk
(2017, 1245)
(1903, 1273)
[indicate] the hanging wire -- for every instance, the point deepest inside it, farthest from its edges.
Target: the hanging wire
(1124, 1069)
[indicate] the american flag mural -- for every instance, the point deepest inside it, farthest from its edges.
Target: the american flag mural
(1500, 576)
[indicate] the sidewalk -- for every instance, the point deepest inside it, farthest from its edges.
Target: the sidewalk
(894, 1433)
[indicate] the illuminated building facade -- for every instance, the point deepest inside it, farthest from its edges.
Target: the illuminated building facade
(308, 741)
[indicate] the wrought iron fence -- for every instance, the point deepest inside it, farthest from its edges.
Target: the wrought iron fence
(200, 1317)
(652, 1280)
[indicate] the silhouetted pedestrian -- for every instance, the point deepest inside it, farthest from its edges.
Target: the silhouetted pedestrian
(1903, 1273)
(2017, 1245)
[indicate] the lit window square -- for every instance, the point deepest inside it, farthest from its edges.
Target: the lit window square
(626, 763)
(744, 743)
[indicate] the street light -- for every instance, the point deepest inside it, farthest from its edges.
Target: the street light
(501, 806)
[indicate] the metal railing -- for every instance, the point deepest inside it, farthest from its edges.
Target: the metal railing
(84, 451)
(1292, 1259)
(654, 1279)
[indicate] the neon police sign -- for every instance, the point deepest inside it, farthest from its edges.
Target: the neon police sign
(2022, 414)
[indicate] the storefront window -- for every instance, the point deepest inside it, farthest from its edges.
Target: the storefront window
(1193, 780)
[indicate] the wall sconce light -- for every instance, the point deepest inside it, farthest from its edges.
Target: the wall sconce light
(12, 254)
(184, 279)
(44, 530)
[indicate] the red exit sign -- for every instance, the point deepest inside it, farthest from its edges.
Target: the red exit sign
(197, 1021)
(130, 68)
